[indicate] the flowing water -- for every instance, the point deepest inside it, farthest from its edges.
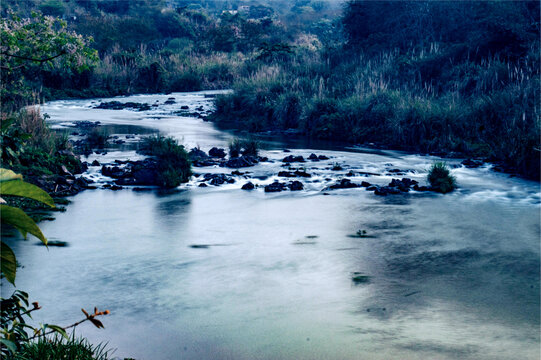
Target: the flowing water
(452, 276)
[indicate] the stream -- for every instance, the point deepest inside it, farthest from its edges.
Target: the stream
(221, 273)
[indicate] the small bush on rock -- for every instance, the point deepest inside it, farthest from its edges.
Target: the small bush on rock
(440, 178)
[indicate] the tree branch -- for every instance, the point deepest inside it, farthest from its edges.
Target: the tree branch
(34, 59)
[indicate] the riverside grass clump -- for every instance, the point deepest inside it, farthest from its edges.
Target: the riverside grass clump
(248, 147)
(29, 146)
(440, 178)
(174, 167)
(61, 348)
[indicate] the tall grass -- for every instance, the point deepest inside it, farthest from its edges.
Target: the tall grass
(416, 101)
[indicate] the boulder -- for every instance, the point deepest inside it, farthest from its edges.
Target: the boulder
(218, 179)
(217, 152)
(293, 158)
(472, 163)
(114, 171)
(344, 184)
(295, 186)
(275, 187)
(248, 186)
(239, 162)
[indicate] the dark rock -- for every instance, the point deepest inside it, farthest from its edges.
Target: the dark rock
(117, 105)
(248, 186)
(337, 168)
(85, 124)
(322, 157)
(396, 171)
(203, 185)
(237, 173)
(243, 161)
(184, 107)
(263, 158)
(170, 101)
(287, 150)
(286, 174)
(344, 184)
(421, 188)
(217, 152)
(293, 158)
(218, 179)
(301, 173)
(197, 154)
(295, 186)
(204, 162)
(275, 187)
(114, 172)
(95, 163)
(472, 163)
(365, 184)
(116, 187)
(119, 142)
(313, 157)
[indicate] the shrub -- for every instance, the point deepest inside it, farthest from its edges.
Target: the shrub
(174, 166)
(440, 178)
(250, 147)
(235, 147)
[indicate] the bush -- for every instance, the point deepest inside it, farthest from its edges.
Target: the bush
(440, 178)
(235, 147)
(174, 166)
(60, 348)
(249, 147)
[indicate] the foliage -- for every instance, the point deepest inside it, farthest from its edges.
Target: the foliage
(61, 348)
(20, 340)
(11, 184)
(174, 166)
(235, 147)
(440, 178)
(36, 41)
(249, 147)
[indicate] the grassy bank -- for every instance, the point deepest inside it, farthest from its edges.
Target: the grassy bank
(463, 96)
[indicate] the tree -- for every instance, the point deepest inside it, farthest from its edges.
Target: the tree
(27, 45)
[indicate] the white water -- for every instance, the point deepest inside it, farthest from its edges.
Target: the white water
(452, 276)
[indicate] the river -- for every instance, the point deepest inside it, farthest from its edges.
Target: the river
(452, 276)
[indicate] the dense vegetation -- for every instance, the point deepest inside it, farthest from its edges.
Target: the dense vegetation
(174, 167)
(431, 76)
(436, 77)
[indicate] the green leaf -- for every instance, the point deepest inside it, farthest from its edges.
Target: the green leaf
(22, 222)
(24, 189)
(10, 345)
(6, 175)
(8, 263)
(58, 329)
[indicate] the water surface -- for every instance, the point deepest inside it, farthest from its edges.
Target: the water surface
(451, 276)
